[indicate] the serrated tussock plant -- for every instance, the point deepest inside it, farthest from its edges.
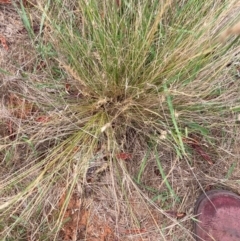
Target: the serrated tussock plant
(152, 70)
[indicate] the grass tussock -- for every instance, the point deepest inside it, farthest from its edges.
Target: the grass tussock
(122, 84)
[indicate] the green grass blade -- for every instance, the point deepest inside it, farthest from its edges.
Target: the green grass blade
(164, 177)
(172, 112)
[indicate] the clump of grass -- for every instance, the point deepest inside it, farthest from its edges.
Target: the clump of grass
(140, 65)
(145, 70)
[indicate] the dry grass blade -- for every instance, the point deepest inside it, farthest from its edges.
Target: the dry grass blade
(234, 30)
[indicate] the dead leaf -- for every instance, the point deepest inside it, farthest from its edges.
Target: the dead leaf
(20, 107)
(5, 1)
(75, 218)
(124, 156)
(118, 2)
(176, 214)
(43, 119)
(198, 147)
(3, 40)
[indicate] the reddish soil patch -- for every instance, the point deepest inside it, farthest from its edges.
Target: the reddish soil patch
(80, 226)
